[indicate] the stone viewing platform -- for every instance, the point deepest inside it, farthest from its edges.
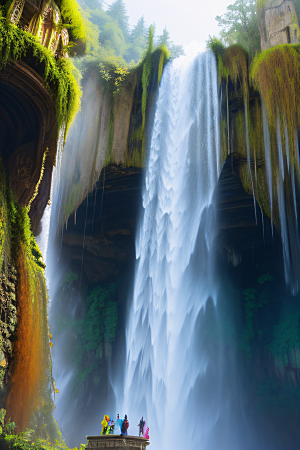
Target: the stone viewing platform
(113, 441)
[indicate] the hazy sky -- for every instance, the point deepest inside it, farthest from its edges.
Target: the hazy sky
(186, 20)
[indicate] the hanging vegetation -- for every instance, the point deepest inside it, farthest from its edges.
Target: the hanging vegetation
(235, 63)
(275, 73)
(24, 302)
(72, 19)
(58, 74)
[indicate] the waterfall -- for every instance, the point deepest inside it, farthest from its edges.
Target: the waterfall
(78, 168)
(174, 286)
(43, 238)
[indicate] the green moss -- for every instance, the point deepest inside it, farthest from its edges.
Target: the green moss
(235, 65)
(164, 57)
(146, 73)
(72, 19)
(216, 46)
(275, 73)
(74, 198)
(58, 74)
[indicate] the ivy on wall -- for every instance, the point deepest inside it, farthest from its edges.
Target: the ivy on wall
(58, 74)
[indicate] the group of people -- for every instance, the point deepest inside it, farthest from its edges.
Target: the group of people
(120, 427)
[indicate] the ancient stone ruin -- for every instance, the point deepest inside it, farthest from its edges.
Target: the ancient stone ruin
(279, 24)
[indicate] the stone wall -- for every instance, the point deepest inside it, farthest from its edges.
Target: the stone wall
(279, 24)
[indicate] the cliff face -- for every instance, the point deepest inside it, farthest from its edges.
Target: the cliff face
(101, 242)
(113, 127)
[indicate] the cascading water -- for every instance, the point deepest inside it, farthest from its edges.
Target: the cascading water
(43, 238)
(286, 197)
(183, 335)
(165, 375)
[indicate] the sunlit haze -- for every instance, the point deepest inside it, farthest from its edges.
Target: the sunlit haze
(186, 20)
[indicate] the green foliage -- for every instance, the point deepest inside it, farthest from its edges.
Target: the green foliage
(6, 426)
(117, 11)
(110, 41)
(275, 73)
(70, 277)
(72, 19)
(15, 226)
(216, 46)
(146, 73)
(165, 41)
(26, 441)
(286, 339)
(98, 326)
(43, 423)
(164, 57)
(267, 277)
(239, 25)
(58, 74)
(138, 41)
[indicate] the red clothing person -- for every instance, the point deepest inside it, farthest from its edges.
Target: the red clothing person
(125, 426)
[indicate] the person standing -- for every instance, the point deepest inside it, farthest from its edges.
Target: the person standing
(118, 426)
(141, 427)
(111, 425)
(104, 424)
(125, 426)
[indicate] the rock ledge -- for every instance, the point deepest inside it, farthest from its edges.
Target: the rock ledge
(119, 442)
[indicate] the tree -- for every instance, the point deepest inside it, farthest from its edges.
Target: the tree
(137, 41)
(93, 4)
(118, 12)
(112, 39)
(165, 40)
(239, 25)
(138, 33)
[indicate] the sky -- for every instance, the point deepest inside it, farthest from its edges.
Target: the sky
(186, 20)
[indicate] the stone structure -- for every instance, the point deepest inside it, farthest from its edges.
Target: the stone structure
(42, 19)
(116, 442)
(278, 24)
(28, 125)
(28, 134)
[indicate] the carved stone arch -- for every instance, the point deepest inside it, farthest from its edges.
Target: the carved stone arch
(15, 11)
(64, 37)
(49, 27)
(63, 43)
(28, 130)
(35, 23)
